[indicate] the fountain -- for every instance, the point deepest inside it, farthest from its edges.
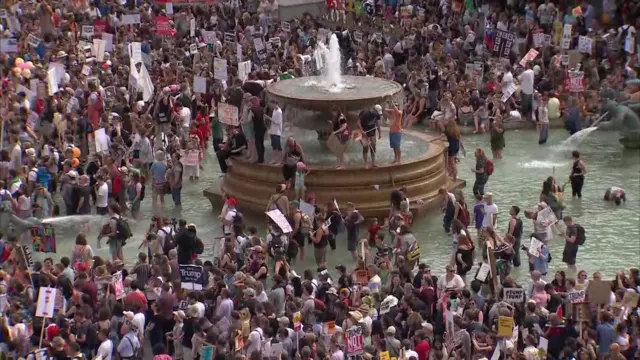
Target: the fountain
(422, 171)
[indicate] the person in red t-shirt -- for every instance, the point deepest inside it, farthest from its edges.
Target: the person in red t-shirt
(423, 348)
(373, 231)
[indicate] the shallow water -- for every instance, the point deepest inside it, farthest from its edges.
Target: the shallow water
(612, 232)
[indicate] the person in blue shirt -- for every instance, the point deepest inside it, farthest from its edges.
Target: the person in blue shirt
(605, 333)
(478, 213)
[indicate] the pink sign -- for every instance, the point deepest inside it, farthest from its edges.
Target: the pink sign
(162, 25)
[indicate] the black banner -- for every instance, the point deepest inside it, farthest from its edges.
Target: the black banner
(503, 43)
(191, 277)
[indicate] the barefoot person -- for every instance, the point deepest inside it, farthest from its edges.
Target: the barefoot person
(341, 130)
(369, 125)
(578, 172)
(395, 131)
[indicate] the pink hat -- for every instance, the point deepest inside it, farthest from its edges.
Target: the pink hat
(300, 165)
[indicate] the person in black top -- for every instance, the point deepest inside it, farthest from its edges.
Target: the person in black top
(335, 218)
(259, 129)
(515, 231)
(369, 125)
(578, 172)
(233, 147)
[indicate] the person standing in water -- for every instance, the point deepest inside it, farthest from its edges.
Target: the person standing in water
(497, 138)
(578, 172)
(395, 131)
(515, 231)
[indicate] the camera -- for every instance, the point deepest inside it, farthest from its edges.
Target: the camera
(524, 248)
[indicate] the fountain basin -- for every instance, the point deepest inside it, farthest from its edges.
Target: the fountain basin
(358, 93)
(253, 184)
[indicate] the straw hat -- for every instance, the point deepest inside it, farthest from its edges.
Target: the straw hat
(356, 316)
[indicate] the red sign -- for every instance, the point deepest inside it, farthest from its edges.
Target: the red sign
(162, 25)
(99, 26)
(574, 81)
(355, 341)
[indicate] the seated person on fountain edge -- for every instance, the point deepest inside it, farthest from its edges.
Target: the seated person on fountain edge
(234, 146)
(616, 195)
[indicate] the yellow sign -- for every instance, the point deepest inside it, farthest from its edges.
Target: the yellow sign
(385, 355)
(505, 326)
(297, 317)
(557, 32)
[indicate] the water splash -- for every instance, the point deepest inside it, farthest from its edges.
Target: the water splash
(540, 164)
(73, 220)
(331, 60)
(576, 139)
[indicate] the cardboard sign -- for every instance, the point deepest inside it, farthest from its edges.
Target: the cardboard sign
(191, 277)
(43, 237)
(505, 326)
(599, 292)
(483, 272)
(506, 93)
(534, 247)
(529, 57)
(46, 302)
(228, 114)
(512, 295)
(503, 43)
(162, 25)
(355, 341)
(585, 44)
(577, 297)
(280, 220)
(362, 277)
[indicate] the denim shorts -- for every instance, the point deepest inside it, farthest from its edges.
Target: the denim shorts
(394, 140)
(275, 143)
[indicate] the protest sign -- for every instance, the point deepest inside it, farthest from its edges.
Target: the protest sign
(575, 81)
(46, 302)
(228, 114)
(538, 38)
(193, 49)
(297, 321)
(275, 41)
(192, 27)
(585, 44)
(162, 25)
(513, 295)
(52, 82)
(362, 277)
(99, 49)
(577, 297)
(199, 84)
(209, 37)
(131, 19)
(286, 26)
(44, 238)
(529, 57)
(547, 217)
(229, 37)
(4, 14)
(102, 143)
(503, 43)
(118, 285)
(357, 36)
(244, 68)
(87, 31)
(535, 246)
(355, 341)
(28, 257)
(505, 326)
(629, 42)
(191, 277)
(566, 37)
(8, 46)
(108, 41)
(599, 292)
(506, 93)
(220, 69)
(33, 40)
(483, 272)
(280, 220)
(99, 26)
(384, 355)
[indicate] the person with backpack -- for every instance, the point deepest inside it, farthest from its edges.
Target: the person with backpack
(135, 193)
(574, 238)
(483, 169)
(117, 231)
(302, 225)
(514, 230)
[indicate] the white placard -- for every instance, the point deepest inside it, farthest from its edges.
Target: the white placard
(630, 42)
(577, 297)
(86, 70)
(357, 36)
(546, 217)
(46, 302)
(538, 39)
(543, 344)
(286, 26)
(8, 45)
(566, 37)
(209, 37)
(108, 41)
(131, 19)
(308, 209)
(87, 31)
(483, 272)
(585, 44)
(4, 15)
(99, 49)
(52, 82)
(33, 40)
(531, 54)
(244, 69)
(100, 137)
(506, 93)
(193, 49)
(220, 69)
(136, 52)
(275, 41)
(280, 220)
(29, 94)
(199, 84)
(169, 8)
(513, 295)
(535, 246)
(192, 28)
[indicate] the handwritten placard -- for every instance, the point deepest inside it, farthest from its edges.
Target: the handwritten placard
(577, 297)
(43, 237)
(228, 114)
(87, 31)
(220, 69)
(513, 295)
(585, 44)
(286, 26)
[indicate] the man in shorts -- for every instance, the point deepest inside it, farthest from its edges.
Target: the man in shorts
(369, 125)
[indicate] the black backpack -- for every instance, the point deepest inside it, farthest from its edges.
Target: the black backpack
(580, 236)
(169, 241)
(123, 231)
(142, 189)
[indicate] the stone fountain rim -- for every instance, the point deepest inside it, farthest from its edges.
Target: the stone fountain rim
(324, 101)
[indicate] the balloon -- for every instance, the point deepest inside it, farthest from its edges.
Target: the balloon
(26, 73)
(76, 152)
(19, 61)
(29, 65)
(17, 71)
(75, 162)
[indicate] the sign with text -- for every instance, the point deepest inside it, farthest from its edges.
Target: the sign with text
(566, 37)
(505, 326)
(130, 19)
(503, 43)
(297, 321)
(228, 114)
(575, 81)
(162, 25)
(585, 44)
(355, 341)
(512, 295)
(46, 302)
(44, 238)
(362, 277)
(191, 277)
(118, 285)
(529, 57)
(577, 297)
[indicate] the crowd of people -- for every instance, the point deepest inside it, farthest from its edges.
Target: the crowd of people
(103, 103)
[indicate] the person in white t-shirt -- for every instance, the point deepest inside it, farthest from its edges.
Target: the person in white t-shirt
(276, 132)
(490, 211)
(102, 196)
(507, 78)
(451, 281)
(184, 113)
(106, 346)
(543, 118)
(526, 89)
